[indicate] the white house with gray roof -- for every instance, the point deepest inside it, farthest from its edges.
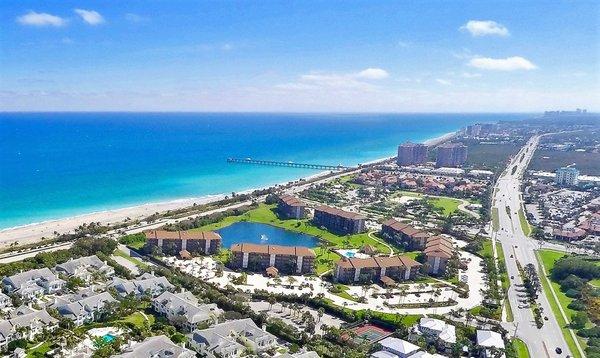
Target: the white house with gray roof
(84, 268)
(182, 309)
(26, 326)
(33, 283)
(156, 347)
(87, 309)
(436, 331)
(392, 346)
(489, 341)
(230, 339)
(150, 285)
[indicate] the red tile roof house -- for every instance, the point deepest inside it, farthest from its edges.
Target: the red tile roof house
(286, 259)
(438, 251)
(339, 221)
(290, 207)
(195, 242)
(373, 269)
(404, 234)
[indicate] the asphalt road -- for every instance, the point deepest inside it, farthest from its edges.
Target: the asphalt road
(507, 199)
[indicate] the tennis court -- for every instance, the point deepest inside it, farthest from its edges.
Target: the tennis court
(369, 333)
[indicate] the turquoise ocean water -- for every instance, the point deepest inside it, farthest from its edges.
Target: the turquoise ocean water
(55, 165)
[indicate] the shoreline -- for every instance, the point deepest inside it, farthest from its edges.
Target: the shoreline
(29, 233)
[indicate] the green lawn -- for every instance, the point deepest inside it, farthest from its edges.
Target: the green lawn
(520, 348)
(264, 214)
(138, 319)
(524, 224)
(449, 205)
(139, 263)
(39, 351)
(495, 219)
(548, 258)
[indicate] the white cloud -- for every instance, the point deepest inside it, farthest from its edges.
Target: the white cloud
(90, 16)
(484, 28)
(315, 82)
(33, 18)
(443, 82)
(373, 74)
(227, 47)
(502, 64)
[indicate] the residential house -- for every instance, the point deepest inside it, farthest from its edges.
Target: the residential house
(86, 309)
(286, 259)
(374, 269)
(395, 346)
(490, 341)
(290, 207)
(339, 221)
(156, 347)
(436, 331)
(183, 310)
(230, 339)
(33, 283)
(174, 242)
(84, 268)
(26, 326)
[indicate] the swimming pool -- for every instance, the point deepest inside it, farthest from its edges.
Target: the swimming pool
(257, 233)
(108, 338)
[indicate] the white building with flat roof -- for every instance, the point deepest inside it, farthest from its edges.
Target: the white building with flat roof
(567, 176)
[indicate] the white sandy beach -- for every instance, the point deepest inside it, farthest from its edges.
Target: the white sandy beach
(33, 232)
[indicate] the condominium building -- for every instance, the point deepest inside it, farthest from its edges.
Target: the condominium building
(374, 269)
(567, 176)
(286, 259)
(156, 347)
(451, 155)
(411, 154)
(404, 234)
(232, 338)
(339, 221)
(198, 242)
(147, 284)
(183, 309)
(26, 326)
(33, 283)
(438, 251)
(84, 267)
(86, 309)
(290, 207)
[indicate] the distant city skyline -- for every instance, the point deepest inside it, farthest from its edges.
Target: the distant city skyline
(358, 56)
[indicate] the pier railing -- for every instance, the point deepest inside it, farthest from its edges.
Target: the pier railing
(286, 164)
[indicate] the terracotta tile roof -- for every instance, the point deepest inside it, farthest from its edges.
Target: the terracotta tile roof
(273, 249)
(339, 212)
(178, 235)
(377, 262)
(291, 200)
(438, 251)
(395, 224)
(439, 240)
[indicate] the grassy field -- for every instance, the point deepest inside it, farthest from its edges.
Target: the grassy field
(133, 260)
(39, 351)
(495, 219)
(449, 205)
(524, 224)
(138, 319)
(520, 347)
(548, 258)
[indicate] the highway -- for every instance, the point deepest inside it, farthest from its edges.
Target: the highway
(507, 200)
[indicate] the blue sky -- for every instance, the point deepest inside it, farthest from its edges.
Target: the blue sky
(348, 56)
